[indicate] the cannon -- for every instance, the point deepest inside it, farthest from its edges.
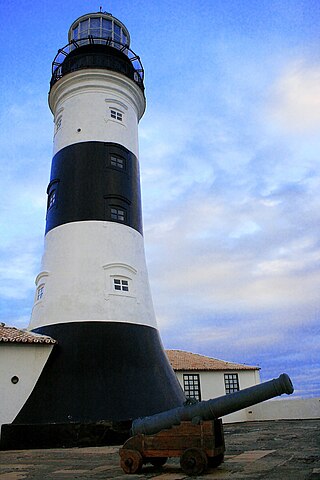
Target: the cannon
(194, 431)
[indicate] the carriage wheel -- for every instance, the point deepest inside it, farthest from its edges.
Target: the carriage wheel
(131, 461)
(194, 461)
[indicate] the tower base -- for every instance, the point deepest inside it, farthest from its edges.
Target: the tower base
(67, 435)
(98, 378)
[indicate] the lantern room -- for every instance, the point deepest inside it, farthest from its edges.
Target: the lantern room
(101, 25)
(98, 40)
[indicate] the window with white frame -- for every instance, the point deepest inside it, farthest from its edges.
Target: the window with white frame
(40, 292)
(120, 284)
(231, 382)
(116, 115)
(119, 280)
(191, 385)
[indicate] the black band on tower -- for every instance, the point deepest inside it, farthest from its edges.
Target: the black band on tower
(102, 371)
(100, 56)
(94, 181)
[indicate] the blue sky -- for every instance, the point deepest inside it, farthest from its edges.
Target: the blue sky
(229, 153)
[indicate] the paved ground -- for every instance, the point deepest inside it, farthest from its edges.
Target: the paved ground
(282, 450)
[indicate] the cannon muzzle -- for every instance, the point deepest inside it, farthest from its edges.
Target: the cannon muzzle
(214, 408)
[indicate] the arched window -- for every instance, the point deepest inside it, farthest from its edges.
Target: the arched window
(120, 279)
(116, 114)
(40, 284)
(52, 192)
(51, 198)
(121, 284)
(117, 209)
(118, 214)
(118, 162)
(40, 292)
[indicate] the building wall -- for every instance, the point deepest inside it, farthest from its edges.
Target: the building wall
(290, 409)
(24, 361)
(212, 385)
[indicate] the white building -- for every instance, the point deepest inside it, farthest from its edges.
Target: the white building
(22, 358)
(204, 377)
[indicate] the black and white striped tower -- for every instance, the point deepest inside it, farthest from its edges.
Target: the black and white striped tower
(92, 294)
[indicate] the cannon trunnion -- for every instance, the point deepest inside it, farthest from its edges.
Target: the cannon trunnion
(192, 432)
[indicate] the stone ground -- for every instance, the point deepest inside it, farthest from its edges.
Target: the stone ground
(278, 450)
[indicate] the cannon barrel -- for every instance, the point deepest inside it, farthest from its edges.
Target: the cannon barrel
(214, 408)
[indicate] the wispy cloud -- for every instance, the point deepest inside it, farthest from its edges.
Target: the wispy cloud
(295, 106)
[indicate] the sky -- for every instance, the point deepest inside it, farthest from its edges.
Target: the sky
(230, 171)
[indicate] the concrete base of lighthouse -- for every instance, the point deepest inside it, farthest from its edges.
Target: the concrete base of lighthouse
(99, 377)
(62, 435)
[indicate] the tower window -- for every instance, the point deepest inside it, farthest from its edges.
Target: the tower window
(40, 292)
(116, 115)
(117, 162)
(120, 284)
(52, 192)
(231, 382)
(191, 385)
(51, 198)
(117, 214)
(58, 124)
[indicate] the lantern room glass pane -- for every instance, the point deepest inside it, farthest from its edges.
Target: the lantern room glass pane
(75, 33)
(94, 22)
(95, 27)
(106, 24)
(106, 28)
(117, 34)
(84, 29)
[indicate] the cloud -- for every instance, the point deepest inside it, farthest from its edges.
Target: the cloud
(18, 269)
(24, 166)
(295, 100)
(245, 255)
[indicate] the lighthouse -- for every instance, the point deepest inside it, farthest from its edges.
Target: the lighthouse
(92, 292)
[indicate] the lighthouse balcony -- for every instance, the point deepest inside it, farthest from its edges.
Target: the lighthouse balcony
(97, 52)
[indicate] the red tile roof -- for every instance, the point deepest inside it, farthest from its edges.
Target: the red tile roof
(15, 335)
(183, 361)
